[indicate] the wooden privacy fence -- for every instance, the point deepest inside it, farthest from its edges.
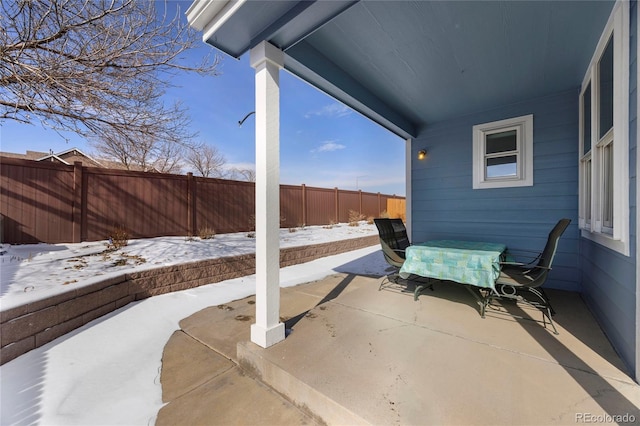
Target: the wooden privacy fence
(397, 207)
(57, 203)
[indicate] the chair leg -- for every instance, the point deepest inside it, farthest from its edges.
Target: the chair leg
(548, 315)
(421, 285)
(540, 301)
(545, 307)
(392, 278)
(546, 298)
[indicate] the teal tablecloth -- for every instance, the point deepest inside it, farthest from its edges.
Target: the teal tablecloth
(466, 262)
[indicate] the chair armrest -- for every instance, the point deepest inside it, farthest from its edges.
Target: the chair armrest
(511, 250)
(525, 268)
(513, 263)
(521, 257)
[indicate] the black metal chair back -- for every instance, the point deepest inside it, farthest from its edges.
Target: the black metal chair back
(549, 252)
(393, 240)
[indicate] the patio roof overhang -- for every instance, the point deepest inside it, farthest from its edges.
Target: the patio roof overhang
(405, 64)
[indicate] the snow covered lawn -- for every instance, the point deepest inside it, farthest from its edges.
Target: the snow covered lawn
(107, 372)
(35, 271)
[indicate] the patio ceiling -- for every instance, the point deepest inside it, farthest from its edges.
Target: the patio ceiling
(406, 64)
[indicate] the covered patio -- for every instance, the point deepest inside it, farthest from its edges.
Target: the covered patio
(357, 355)
(556, 83)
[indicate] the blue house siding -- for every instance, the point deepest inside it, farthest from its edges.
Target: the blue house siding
(444, 204)
(609, 278)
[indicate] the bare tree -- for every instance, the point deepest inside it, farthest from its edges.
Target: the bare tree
(248, 175)
(98, 68)
(207, 160)
(119, 148)
(168, 157)
(143, 153)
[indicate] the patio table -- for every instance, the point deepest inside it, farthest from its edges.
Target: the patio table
(466, 262)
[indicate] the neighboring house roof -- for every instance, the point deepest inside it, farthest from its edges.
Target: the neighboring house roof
(72, 155)
(53, 158)
(34, 155)
(133, 167)
(68, 156)
(30, 155)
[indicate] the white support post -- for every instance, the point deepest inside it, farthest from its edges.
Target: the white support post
(408, 158)
(637, 366)
(267, 60)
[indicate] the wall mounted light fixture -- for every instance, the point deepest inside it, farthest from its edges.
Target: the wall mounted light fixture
(422, 154)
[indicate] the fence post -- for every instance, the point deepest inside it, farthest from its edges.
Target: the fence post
(76, 207)
(191, 222)
(379, 207)
(337, 196)
(304, 205)
(360, 201)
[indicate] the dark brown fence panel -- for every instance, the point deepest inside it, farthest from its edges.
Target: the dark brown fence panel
(371, 205)
(226, 206)
(144, 204)
(321, 206)
(36, 201)
(291, 207)
(348, 201)
(57, 203)
(383, 203)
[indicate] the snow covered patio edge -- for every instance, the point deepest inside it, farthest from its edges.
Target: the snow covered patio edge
(26, 327)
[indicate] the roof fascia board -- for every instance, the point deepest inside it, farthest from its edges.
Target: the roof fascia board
(292, 26)
(79, 152)
(53, 156)
(202, 12)
(208, 15)
(310, 65)
(223, 16)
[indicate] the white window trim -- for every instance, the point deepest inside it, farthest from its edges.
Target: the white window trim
(524, 126)
(618, 240)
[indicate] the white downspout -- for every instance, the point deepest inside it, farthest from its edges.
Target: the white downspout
(267, 60)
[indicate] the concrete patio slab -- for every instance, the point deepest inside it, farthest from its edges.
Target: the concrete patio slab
(357, 355)
(200, 378)
(183, 350)
(451, 309)
(232, 398)
(222, 327)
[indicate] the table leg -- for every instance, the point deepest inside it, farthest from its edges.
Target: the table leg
(483, 301)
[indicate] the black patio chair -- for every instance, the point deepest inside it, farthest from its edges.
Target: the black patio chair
(522, 275)
(394, 241)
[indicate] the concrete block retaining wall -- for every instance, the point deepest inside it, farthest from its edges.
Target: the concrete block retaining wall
(29, 326)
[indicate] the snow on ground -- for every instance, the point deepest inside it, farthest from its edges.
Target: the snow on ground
(36, 271)
(108, 371)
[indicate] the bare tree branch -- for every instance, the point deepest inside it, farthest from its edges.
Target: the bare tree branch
(207, 160)
(98, 68)
(248, 175)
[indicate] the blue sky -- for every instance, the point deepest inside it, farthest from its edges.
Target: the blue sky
(322, 142)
